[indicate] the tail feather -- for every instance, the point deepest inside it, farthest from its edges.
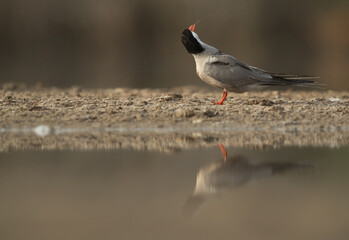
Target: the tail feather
(280, 79)
(292, 76)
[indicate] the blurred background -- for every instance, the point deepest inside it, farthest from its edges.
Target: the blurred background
(136, 43)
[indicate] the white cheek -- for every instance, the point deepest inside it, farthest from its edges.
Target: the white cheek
(195, 36)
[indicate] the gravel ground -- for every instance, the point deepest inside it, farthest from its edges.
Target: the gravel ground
(169, 119)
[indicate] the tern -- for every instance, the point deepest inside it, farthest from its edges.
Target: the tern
(230, 74)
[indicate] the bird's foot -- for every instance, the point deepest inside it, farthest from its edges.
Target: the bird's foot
(223, 98)
(217, 103)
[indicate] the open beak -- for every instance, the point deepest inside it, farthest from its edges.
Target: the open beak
(191, 28)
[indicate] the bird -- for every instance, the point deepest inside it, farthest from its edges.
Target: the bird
(230, 74)
(230, 173)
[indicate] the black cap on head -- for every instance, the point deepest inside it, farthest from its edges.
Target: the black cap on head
(191, 43)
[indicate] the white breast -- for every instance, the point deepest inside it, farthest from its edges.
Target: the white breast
(200, 61)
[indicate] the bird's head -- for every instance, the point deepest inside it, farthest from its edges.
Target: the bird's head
(191, 41)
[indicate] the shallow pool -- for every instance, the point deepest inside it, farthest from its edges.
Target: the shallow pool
(285, 193)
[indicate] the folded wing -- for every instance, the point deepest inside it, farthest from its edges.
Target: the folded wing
(238, 76)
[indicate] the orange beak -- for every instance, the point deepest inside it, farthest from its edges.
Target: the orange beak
(191, 28)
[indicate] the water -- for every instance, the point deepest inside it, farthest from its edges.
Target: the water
(286, 193)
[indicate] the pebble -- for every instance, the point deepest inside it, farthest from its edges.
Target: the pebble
(171, 97)
(197, 121)
(187, 113)
(210, 113)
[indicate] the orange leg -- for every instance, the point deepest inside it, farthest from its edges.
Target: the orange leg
(225, 94)
(224, 152)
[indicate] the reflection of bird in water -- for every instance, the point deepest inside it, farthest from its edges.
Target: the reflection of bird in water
(227, 174)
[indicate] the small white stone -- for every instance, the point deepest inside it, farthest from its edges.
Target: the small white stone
(42, 130)
(197, 121)
(332, 99)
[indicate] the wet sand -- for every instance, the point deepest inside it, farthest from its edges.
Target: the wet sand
(173, 119)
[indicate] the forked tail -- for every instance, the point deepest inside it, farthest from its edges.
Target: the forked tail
(280, 79)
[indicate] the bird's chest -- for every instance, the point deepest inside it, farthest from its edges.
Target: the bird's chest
(202, 73)
(200, 66)
(200, 69)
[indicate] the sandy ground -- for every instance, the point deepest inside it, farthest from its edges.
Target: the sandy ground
(169, 119)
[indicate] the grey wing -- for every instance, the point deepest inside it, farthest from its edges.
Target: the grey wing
(233, 74)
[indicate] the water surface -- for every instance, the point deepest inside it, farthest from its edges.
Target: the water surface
(289, 193)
